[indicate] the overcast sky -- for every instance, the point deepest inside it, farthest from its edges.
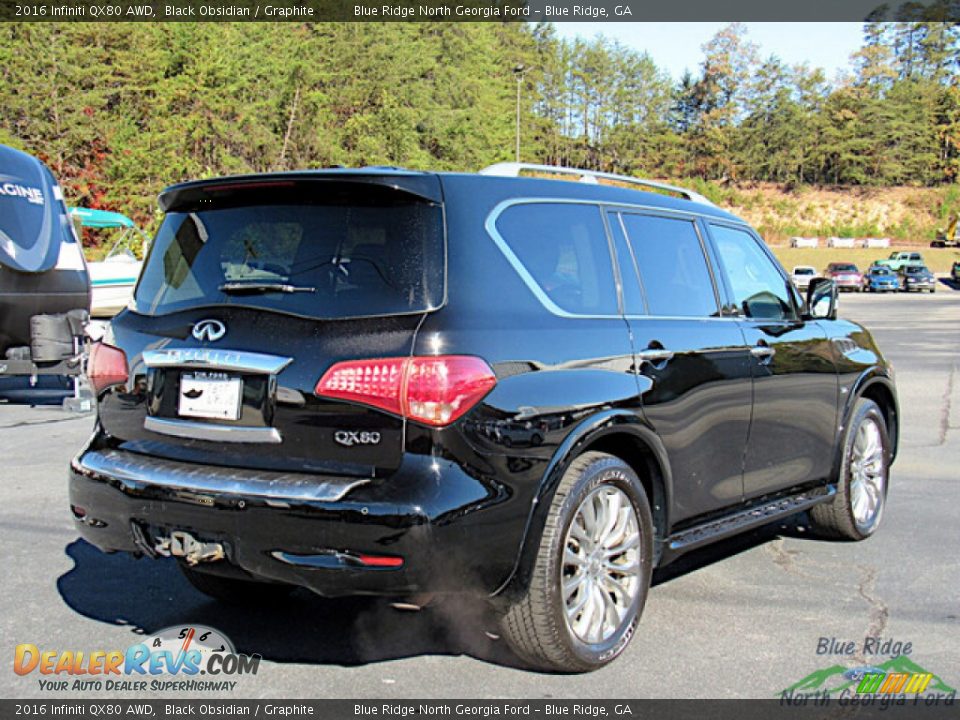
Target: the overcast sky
(676, 46)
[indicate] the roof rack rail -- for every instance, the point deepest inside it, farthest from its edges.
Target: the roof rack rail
(513, 169)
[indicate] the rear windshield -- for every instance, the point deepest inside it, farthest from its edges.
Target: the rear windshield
(345, 259)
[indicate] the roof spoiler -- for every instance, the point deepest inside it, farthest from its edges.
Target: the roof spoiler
(514, 169)
(191, 195)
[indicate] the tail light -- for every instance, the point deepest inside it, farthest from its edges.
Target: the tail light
(433, 390)
(106, 366)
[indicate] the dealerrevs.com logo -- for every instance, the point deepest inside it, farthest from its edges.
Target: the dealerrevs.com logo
(192, 658)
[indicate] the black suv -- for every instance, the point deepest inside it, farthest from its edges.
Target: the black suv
(398, 383)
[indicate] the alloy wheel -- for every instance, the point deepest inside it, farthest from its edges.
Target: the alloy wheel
(600, 569)
(867, 475)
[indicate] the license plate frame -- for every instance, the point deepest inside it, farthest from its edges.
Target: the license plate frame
(210, 396)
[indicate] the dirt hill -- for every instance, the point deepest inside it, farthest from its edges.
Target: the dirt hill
(906, 215)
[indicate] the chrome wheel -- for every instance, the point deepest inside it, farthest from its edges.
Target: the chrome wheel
(867, 475)
(600, 570)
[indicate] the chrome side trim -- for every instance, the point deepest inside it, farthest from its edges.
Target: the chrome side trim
(137, 472)
(211, 359)
(214, 433)
(490, 225)
(519, 267)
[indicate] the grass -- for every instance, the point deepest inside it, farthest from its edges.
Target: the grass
(939, 260)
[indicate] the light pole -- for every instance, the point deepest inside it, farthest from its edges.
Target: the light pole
(518, 72)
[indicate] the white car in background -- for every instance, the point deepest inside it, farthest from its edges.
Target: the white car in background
(802, 275)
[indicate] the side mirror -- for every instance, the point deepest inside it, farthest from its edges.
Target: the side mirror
(822, 299)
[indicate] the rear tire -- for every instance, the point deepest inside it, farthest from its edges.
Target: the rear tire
(857, 509)
(592, 570)
(234, 591)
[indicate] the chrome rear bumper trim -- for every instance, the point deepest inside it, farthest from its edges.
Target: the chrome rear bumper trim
(141, 472)
(213, 433)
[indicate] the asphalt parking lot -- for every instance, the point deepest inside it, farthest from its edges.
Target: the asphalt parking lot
(740, 620)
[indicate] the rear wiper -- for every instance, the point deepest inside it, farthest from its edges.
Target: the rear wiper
(263, 287)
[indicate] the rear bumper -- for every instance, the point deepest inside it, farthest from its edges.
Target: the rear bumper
(300, 529)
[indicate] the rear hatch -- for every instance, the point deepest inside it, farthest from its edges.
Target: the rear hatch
(252, 290)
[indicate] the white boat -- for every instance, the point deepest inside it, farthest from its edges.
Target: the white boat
(112, 279)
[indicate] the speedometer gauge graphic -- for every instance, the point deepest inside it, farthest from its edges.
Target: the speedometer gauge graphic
(181, 639)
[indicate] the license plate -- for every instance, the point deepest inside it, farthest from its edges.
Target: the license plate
(210, 395)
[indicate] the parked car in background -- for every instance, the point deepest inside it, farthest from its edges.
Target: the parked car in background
(955, 272)
(846, 276)
(917, 278)
(880, 278)
(898, 260)
(391, 382)
(802, 275)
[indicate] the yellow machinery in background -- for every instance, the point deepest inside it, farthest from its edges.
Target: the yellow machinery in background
(949, 237)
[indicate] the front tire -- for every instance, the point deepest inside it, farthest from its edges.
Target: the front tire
(857, 509)
(592, 570)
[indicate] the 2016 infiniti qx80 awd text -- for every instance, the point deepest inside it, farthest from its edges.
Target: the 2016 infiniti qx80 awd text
(390, 382)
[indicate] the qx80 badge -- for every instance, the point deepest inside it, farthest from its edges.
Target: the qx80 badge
(349, 438)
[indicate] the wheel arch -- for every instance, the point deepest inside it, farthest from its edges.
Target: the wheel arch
(620, 433)
(879, 389)
(876, 386)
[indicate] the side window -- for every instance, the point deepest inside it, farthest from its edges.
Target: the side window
(565, 250)
(673, 269)
(759, 290)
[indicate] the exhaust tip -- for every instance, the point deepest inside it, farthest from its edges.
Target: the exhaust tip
(406, 606)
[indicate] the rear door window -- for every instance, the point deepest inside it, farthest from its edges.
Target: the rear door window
(359, 256)
(673, 269)
(563, 247)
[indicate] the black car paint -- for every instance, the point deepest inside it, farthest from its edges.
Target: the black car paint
(461, 505)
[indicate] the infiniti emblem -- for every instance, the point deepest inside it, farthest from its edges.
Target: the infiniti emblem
(211, 330)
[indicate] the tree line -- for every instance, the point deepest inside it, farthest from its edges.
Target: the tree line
(121, 110)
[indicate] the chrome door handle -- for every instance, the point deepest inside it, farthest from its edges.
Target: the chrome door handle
(762, 352)
(654, 356)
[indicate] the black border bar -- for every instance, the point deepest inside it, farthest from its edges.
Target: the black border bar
(477, 10)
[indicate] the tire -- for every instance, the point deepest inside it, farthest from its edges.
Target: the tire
(235, 591)
(856, 511)
(537, 626)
